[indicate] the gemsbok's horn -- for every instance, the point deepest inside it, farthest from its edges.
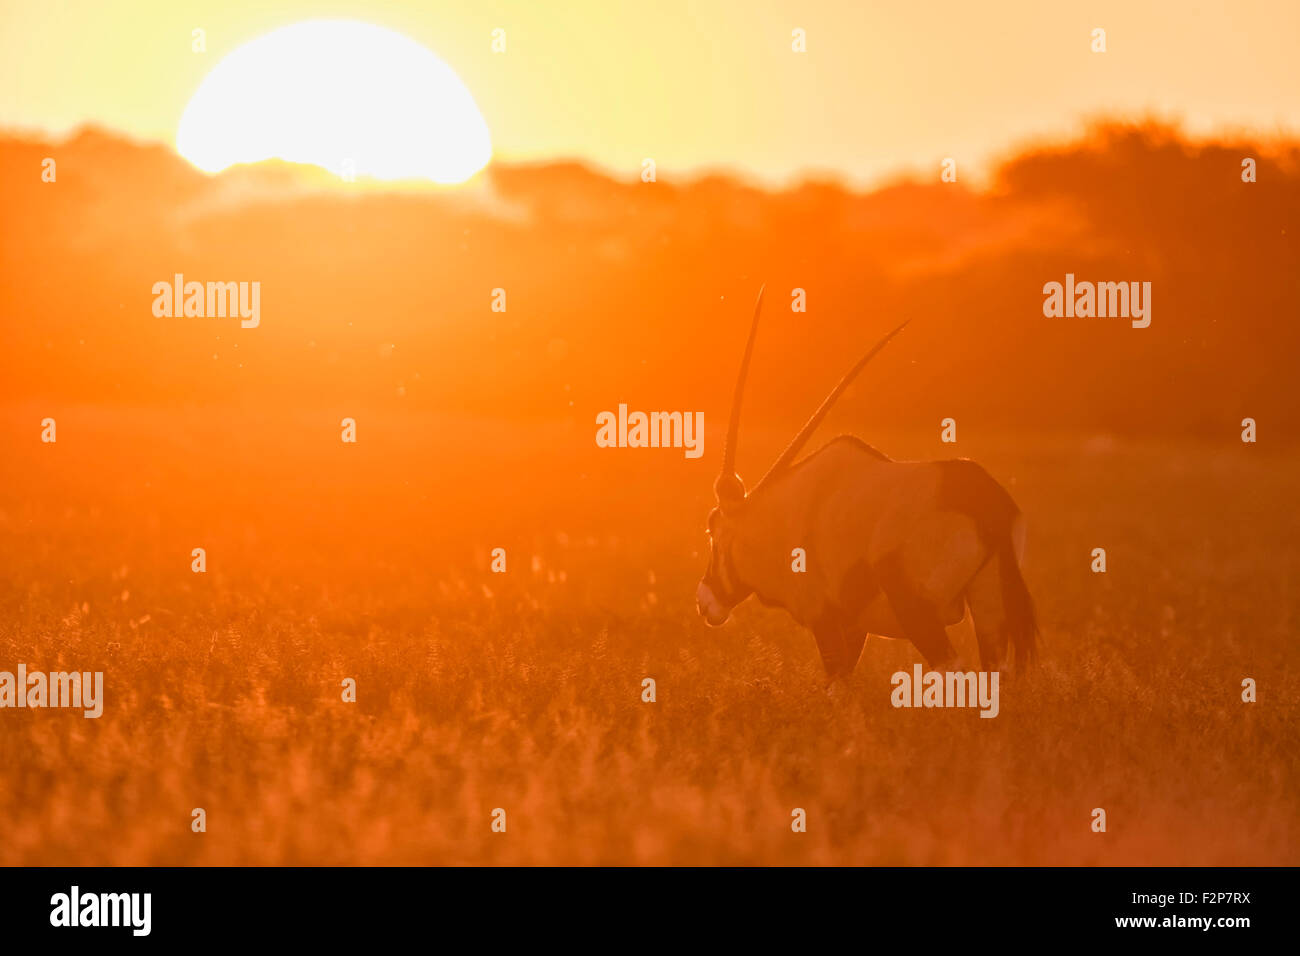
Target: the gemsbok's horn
(728, 485)
(810, 426)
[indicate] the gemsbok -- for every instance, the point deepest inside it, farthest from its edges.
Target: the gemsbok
(897, 549)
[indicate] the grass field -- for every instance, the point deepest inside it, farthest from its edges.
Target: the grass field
(522, 691)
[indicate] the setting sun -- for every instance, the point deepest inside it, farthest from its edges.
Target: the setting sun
(347, 96)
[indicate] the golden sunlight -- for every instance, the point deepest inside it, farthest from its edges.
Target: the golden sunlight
(351, 97)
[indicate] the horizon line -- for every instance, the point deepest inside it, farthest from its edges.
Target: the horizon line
(980, 179)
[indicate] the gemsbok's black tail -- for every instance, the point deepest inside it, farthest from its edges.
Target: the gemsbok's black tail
(970, 490)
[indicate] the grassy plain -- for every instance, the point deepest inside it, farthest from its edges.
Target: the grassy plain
(522, 690)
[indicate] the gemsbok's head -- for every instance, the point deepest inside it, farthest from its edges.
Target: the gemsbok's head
(722, 586)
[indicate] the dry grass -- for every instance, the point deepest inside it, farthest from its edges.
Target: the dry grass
(522, 691)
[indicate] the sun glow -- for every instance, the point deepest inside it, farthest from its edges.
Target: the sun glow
(348, 96)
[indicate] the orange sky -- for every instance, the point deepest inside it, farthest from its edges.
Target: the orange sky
(883, 86)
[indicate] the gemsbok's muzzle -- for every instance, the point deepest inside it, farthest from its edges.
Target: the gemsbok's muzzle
(714, 612)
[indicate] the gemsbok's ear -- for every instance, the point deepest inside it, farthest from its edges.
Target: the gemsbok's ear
(730, 491)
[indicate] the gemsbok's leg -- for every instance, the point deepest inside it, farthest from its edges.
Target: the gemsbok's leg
(838, 648)
(853, 641)
(924, 629)
(920, 622)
